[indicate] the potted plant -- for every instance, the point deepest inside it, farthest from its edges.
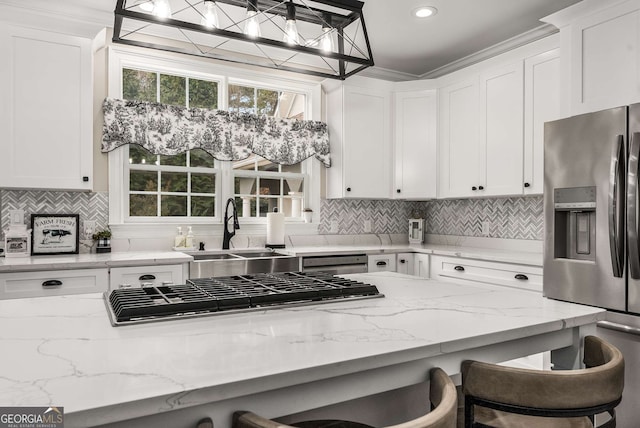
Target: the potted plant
(307, 214)
(103, 238)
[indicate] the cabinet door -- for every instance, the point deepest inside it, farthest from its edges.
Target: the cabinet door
(501, 131)
(405, 263)
(605, 59)
(415, 145)
(382, 263)
(16, 285)
(459, 150)
(366, 143)
(139, 276)
(421, 265)
(541, 104)
(45, 110)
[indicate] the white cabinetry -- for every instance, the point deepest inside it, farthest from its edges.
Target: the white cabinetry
(481, 122)
(139, 276)
(382, 263)
(405, 263)
(507, 274)
(45, 110)
(415, 145)
(421, 265)
(359, 119)
(541, 104)
(15, 285)
(459, 149)
(601, 44)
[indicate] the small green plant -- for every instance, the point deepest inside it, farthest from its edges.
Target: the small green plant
(102, 234)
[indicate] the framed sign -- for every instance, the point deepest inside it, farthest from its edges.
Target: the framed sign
(55, 233)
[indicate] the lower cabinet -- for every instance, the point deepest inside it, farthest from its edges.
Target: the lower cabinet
(382, 263)
(143, 276)
(16, 285)
(507, 274)
(405, 263)
(421, 265)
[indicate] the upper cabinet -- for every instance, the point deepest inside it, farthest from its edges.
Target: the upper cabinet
(415, 144)
(358, 113)
(541, 104)
(600, 44)
(46, 110)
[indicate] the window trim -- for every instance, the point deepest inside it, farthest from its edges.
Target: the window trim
(126, 57)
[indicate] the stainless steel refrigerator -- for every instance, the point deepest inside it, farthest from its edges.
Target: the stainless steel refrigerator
(591, 221)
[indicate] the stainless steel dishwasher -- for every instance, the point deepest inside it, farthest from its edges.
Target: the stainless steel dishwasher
(348, 263)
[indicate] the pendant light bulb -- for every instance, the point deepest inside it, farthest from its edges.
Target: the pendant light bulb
(326, 40)
(290, 29)
(252, 24)
(162, 8)
(210, 15)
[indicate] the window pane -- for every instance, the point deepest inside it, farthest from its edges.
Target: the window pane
(200, 158)
(143, 205)
(139, 85)
(202, 206)
(241, 99)
(267, 205)
(267, 102)
(245, 186)
(176, 160)
(203, 183)
(174, 205)
(203, 94)
(173, 90)
(140, 156)
(270, 186)
(143, 181)
(246, 206)
(173, 182)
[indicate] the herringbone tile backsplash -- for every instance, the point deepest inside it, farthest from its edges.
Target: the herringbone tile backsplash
(510, 218)
(90, 206)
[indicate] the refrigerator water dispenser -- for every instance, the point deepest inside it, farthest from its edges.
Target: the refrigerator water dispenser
(575, 223)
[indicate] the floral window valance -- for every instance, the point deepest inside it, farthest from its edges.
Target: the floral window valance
(169, 130)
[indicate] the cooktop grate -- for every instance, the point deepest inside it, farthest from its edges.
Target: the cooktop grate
(208, 296)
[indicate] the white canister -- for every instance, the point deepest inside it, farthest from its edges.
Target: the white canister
(16, 241)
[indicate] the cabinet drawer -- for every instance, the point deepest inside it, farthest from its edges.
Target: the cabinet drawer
(512, 275)
(138, 276)
(382, 262)
(53, 283)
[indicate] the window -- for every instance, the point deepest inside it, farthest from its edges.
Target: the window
(192, 187)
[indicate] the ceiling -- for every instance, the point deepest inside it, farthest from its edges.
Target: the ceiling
(402, 45)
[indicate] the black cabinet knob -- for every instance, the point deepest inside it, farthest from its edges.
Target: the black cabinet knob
(403, 261)
(474, 188)
(459, 268)
(348, 189)
(85, 178)
(398, 191)
(522, 277)
(480, 187)
(527, 185)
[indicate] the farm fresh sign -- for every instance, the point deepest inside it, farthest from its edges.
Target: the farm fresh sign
(54, 233)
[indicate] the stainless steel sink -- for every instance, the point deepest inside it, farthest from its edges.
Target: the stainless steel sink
(240, 262)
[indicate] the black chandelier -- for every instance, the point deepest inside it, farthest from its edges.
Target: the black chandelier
(325, 38)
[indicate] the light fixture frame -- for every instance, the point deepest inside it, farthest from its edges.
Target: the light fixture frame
(350, 11)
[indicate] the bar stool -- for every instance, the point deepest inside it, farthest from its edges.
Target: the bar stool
(442, 394)
(499, 396)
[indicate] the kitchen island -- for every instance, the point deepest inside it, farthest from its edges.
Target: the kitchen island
(63, 351)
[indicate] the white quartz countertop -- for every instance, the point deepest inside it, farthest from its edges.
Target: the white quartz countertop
(63, 350)
(91, 261)
(479, 253)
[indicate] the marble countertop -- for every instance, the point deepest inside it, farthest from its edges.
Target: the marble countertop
(63, 351)
(91, 261)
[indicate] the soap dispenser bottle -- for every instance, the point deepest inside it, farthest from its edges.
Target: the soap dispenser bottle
(189, 240)
(179, 241)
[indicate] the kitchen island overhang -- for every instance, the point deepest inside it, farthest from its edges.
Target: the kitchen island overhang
(63, 351)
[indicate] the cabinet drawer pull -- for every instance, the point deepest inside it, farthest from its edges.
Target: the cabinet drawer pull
(459, 268)
(480, 187)
(381, 263)
(147, 277)
(522, 277)
(52, 283)
(403, 261)
(474, 188)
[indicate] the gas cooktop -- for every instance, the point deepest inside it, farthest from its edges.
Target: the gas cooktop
(240, 293)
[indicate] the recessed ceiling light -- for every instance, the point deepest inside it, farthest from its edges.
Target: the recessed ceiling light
(425, 12)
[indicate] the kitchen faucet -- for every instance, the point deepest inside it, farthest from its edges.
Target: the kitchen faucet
(228, 235)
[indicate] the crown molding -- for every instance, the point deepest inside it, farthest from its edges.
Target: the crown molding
(386, 74)
(510, 44)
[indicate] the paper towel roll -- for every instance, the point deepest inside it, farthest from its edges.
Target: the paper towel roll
(275, 228)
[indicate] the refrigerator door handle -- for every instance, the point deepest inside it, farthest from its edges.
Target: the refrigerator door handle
(615, 209)
(632, 207)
